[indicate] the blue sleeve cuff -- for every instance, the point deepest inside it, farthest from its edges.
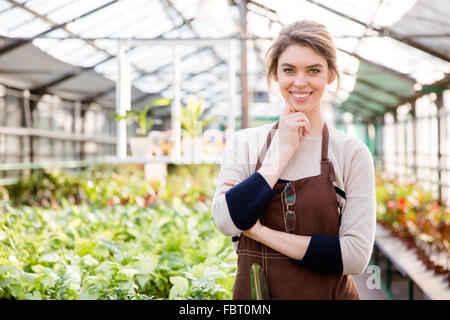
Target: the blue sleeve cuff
(323, 255)
(247, 200)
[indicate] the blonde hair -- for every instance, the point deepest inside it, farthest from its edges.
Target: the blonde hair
(306, 33)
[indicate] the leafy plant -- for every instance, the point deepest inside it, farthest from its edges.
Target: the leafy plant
(141, 117)
(192, 120)
(412, 214)
(97, 185)
(167, 250)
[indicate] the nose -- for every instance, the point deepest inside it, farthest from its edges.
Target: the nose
(300, 80)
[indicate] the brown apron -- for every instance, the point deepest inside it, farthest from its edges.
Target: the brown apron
(316, 208)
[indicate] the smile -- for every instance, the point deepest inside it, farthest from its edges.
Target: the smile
(300, 96)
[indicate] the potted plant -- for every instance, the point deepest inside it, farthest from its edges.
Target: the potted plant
(141, 145)
(192, 125)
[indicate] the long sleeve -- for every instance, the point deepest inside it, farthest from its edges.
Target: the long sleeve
(348, 253)
(231, 169)
(247, 200)
(322, 255)
(242, 205)
(358, 223)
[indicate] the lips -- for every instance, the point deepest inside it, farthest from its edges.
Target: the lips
(300, 96)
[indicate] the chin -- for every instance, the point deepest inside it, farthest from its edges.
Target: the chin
(301, 107)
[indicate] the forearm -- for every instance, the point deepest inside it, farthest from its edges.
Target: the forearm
(317, 252)
(274, 164)
(291, 245)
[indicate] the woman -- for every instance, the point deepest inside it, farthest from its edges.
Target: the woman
(302, 198)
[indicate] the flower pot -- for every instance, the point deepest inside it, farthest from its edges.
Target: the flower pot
(192, 147)
(438, 270)
(429, 264)
(411, 243)
(140, 147)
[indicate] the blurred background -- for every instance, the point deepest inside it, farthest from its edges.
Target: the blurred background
(114, 116)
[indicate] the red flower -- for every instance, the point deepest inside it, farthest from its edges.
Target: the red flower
(402, 203)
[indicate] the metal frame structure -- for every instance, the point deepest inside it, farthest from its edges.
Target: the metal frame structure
(370, 100)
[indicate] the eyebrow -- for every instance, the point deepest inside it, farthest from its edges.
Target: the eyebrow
(310, 66)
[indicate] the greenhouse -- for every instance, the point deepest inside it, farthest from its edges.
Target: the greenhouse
(117, 119)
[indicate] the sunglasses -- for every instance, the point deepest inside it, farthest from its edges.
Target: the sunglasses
(288, 194)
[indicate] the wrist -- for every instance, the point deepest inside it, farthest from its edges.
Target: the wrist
(256, 233)
(286, 152)
(274, 163)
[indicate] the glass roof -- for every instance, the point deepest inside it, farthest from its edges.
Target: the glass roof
(384, 54)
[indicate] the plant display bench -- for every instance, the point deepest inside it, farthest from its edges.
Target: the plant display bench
(156, 167)
(434, 287)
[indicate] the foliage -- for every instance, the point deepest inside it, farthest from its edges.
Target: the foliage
(97, 185)
(168, 248)
(141, 117)
(192, 119)
(412, 213)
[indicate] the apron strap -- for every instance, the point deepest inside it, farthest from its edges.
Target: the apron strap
(325, 142)
(326, 166)
(266, 146)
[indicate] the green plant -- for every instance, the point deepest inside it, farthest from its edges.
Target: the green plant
(141, 117)
(100, 186)
(167, 250)
(412, 213)
(192, 121)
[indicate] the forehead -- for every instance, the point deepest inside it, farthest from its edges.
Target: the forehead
(299, 55)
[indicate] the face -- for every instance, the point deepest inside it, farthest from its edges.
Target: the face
(302, 76)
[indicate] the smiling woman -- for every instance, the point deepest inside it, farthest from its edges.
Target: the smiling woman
(302, 85)
(304, 209)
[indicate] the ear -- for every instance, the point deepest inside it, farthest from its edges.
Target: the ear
(331, 76)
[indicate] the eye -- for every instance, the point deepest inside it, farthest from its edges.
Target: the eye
(314, 71)
(288, 70)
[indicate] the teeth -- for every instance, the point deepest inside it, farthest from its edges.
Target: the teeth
(301, 95)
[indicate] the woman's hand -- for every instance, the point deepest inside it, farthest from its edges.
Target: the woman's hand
(231, 183)
(291, 245)
(255, 231)
(292, 124)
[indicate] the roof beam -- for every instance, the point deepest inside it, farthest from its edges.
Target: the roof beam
(358, 108)
(353, 110)
(374, 86)
(382, 68)
(141, 75)
(388, 32)
(72, 34)
(55, 26)
(190, 76)
(65, 4)
(440, 85)
(43, 88)
(371, 99)
(264, 8)
(169, 4)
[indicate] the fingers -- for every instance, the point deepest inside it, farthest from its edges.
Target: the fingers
(303, 128)
(231, 183)
(299, 121)
(291, 113)
(288, 109)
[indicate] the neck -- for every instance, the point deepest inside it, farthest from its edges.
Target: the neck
(315, 121)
